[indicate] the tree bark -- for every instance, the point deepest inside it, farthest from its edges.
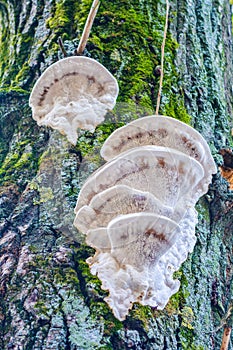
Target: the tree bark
(48, 297)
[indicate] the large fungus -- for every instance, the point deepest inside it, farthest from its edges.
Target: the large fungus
(162, 131)
(73, 93)
(137, 210)
(166, 173)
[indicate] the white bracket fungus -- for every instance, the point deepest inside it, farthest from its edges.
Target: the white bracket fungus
(162, 131)
(165, 172)
(137, 210)
(114, 201)
(151, 235)
(73, 93)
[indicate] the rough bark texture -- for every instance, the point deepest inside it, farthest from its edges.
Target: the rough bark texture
(48, 298)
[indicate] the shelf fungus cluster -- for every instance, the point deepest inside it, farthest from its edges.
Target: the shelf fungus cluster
(73, 93)
(137, 210)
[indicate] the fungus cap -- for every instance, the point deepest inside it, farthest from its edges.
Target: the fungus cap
(148, 284)
(137, 239)
(161, 131)
(150, 235)
(166, 173)
(115, 201)
(131, 245)
(75, 92)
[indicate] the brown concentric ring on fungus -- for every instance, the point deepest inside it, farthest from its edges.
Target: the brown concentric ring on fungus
(171, 166)
(115, 201)
(73, 93)
(166, 173)
(131, 245)
(161, 131)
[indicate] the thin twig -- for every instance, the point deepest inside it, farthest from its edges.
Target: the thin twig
(63, 50)
(225, 321)
(87, 28)
(226, 338)
(162, 58)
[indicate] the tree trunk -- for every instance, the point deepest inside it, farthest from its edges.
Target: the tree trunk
(49, 299)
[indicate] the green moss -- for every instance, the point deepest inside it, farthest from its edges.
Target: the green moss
(13, 164)
(66, 276)
(14, 65)
(100, 310)
(41, 308)
(20, 77)
(187, 317)
(62, 20)
(131, 47)
(178, 299)
(142, 313)
(81, 254)
(188, 344)
(24, 159)
(14, 89)
(89, 142)
(4, 40)
(21, 160)
(175, 108)
(32, 249)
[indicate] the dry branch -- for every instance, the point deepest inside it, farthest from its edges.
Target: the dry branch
(87, 28)
(162, 58)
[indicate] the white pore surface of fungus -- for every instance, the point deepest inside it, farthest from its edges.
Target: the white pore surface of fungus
(73, 93)
(137, 210)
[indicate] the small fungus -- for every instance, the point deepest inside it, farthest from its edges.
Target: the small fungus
(150, 235)
(73, 93)
(138, 212)
(114, 201)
